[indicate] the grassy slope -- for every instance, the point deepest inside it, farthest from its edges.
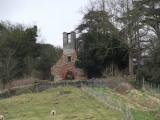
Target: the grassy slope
(137, 104)
(75, 105)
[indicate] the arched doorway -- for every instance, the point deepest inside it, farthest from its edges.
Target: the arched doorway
(69, 75)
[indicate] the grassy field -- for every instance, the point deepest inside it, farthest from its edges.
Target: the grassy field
(69, 103)
(144, 106)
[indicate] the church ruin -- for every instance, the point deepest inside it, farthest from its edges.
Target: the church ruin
(65, 68)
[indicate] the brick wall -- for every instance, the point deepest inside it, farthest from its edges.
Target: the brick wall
(60, 70)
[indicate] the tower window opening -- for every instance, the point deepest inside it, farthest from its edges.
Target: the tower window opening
(69, 59)
(69, 39)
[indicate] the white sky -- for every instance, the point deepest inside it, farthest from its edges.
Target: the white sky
(53, 17)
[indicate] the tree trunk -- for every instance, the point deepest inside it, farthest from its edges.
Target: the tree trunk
(130, 63)
(3, 86)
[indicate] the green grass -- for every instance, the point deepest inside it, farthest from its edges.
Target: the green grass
(141, 115)
(137, 113)
(69, 103)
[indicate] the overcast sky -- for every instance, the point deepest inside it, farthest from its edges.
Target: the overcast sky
(53, 17)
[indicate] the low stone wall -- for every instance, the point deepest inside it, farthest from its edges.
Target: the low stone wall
(20, 82)
(26, 81)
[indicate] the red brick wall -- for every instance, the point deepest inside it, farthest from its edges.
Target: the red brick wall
(60, 70)
(21, 82)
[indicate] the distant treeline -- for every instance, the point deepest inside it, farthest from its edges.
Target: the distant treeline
(21, 55)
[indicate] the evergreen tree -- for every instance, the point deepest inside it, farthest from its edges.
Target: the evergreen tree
(100, 44)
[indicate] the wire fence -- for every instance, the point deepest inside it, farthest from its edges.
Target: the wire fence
(107, 100)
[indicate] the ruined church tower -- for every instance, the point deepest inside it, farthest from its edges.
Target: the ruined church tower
(65, 68)
(69, 43)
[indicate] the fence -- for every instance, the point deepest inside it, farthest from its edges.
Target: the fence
(107, 100)
(38, 87)
(43, 85)
(85, 85)
(151, 85)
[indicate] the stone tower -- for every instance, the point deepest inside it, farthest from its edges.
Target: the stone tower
(65, 68)
(69, 42)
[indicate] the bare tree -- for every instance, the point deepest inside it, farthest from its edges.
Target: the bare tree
(7, 66)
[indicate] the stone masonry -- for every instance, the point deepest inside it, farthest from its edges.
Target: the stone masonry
(66, 65)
